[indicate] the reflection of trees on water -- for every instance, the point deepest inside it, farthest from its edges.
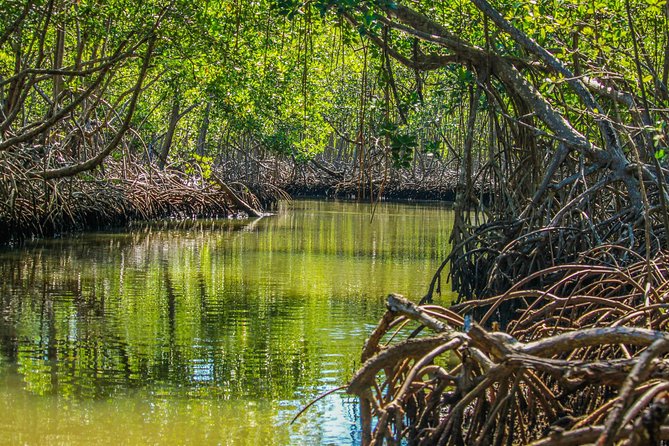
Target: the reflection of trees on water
(72, 344)
(204, 308)
(89, 350)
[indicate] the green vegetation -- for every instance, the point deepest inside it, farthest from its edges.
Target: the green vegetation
(357, 95)
(545, 121)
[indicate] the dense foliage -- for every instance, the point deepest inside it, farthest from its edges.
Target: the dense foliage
(552, 112)
(552, 115)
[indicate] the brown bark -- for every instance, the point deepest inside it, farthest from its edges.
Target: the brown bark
(96, 160)
(235, 199)
(56, 117)
(171, 128)
(15, 83)
(613, 158)
(57, 65)
(665, 69)
(204, 129)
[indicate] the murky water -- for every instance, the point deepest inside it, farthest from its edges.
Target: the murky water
(208, 332)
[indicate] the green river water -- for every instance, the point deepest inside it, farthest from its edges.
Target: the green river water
(206, 332)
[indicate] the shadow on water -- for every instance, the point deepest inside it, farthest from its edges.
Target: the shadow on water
(204, 332)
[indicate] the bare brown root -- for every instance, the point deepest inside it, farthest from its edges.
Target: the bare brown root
(330, 175)
(113, 196)
(584, 361)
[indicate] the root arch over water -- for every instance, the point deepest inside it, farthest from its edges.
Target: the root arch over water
(582, 361)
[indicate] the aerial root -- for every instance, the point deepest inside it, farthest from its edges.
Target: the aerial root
(114, 196)
(583, 361)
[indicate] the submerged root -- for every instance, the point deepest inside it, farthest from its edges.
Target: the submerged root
(584, 361)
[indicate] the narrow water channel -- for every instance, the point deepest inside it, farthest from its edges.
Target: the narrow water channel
(208, 332)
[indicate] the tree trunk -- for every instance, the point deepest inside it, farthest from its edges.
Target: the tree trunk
(16, 84)
(96, 160)
(204, 129)
(167, 141)
(665, 68)
(57, 65)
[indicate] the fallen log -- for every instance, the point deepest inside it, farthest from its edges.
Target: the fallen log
(235, 199)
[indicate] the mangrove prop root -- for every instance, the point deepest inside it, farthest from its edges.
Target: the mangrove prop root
(584, 361)
(119, 193)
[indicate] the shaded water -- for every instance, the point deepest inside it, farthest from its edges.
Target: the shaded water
(209, 332)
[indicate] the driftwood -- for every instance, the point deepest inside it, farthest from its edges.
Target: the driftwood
(584, 361)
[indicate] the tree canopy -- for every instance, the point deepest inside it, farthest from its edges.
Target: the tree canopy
(552, 113)
(546, 120)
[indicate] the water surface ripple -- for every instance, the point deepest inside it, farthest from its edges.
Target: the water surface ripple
(205, 332)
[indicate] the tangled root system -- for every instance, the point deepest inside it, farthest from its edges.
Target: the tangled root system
(583, 361)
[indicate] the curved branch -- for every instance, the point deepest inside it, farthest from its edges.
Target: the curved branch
(96, 160)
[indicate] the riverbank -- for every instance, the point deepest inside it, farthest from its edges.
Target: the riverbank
(121, 193)
(113, 197)
(322, 177)
(583, 360)
(446, 194)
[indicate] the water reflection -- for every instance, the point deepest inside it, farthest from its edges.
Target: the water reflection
(204, 332)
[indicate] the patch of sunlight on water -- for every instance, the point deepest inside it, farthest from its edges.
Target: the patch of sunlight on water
(207, 332)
